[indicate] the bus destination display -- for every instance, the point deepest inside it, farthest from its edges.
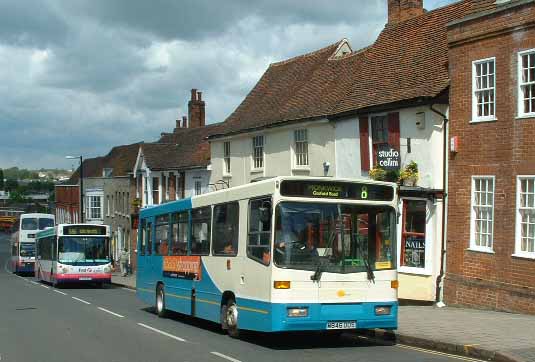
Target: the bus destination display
(84, 230)
(337, 190)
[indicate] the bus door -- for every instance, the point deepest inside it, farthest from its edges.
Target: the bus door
(201, 219)
(144, 274)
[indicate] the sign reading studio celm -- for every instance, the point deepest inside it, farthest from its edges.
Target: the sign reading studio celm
(388, 158)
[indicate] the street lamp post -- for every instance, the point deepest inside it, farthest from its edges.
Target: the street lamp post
(81, 185)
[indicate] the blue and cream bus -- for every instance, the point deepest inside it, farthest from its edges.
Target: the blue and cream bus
(283, 254)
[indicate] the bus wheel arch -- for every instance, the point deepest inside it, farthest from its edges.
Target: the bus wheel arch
(160, 300)
(229, 314)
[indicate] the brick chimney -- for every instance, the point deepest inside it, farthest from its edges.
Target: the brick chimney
(184, 122)
(196, 110)
(401, 10)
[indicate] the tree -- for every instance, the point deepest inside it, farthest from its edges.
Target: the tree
(1, 179)
(11, 185)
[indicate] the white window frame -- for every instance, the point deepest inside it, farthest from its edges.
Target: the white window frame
(475, 117)
(255, 168)
(197, 187)
(429, 244)
(108, 205)
(89, 206)
(301, 159)
(227, 170)
(473, 246)
(520, 97)
(518, 220)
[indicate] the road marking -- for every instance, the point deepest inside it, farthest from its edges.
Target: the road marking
(59, 292)
(44, 286)
(162, 332)
(225, 357)
(130, 290)
(109, 311)
(462, 358)
(80, 300)
(31, 281)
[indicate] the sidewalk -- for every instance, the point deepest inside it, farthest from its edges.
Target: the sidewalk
(129, 281)
(488, 335)
(494, 336)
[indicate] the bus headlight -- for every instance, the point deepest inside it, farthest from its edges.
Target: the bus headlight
(297, 312)
(107, 269)
(383, 310)
(63, 270)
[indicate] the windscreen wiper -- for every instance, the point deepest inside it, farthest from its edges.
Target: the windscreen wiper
(317, 274)
(369, 271)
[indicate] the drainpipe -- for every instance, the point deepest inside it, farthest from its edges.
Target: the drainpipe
(440, 279)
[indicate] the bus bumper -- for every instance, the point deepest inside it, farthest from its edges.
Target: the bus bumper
(25, 267)
(83, 278)
(319, 317)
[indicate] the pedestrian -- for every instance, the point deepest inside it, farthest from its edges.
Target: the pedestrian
(124, 262)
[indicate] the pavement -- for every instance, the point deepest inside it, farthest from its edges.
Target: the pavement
(487, 335)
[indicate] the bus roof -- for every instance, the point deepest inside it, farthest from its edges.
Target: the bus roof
(253, 189)
(37, 215)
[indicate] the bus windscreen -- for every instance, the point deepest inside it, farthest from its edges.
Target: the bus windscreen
(27, 250)
(45, 223)
(73, 250)
(29, 224)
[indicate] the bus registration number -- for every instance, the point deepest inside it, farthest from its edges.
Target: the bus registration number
(342, 325)
(84, 278)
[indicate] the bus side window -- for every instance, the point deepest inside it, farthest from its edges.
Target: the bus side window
(225, 229)
(142, 237)
(148, 240)
(161, 235)
(259, 234)
(200, 230)
(179, 230)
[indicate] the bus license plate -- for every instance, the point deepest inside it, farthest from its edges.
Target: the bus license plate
(342, 325)
(85, 278)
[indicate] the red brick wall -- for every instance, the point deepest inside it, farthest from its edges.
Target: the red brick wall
(68, 199)
(504, 148)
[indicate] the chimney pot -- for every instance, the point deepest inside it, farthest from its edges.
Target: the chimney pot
(199, 96)
(177, 123)
(184, 122)
(194, 94)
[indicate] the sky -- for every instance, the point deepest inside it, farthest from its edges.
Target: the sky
(78, 77)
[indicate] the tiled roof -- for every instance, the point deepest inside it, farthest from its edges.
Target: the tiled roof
(121, 159)
(185, 148)
(407, 61)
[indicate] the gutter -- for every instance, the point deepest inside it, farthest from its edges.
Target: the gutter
(440, 278)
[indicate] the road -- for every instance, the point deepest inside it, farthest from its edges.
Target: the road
(40, 323)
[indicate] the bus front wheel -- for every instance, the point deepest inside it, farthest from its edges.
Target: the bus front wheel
(229, 318)
(160, 301)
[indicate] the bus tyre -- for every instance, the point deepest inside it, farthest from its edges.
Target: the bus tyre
(160, 301)
(229, 318)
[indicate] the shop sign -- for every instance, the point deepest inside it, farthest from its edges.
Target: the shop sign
(388, 158)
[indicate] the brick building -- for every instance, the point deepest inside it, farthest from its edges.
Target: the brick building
(491, 211)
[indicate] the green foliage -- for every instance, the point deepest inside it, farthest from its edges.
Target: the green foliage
(11, 185)
(377, 174)
(1, 179)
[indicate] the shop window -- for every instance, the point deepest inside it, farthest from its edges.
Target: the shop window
(413, 242)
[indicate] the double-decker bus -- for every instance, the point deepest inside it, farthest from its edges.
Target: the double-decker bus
(283, 254)
(23, 241)
(74, 253)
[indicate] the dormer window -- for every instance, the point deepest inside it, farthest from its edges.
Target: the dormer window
(107, 172)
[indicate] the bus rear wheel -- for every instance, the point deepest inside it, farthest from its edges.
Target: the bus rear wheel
(160, 301)
(229, 318)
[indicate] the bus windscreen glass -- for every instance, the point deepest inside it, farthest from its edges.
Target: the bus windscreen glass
(45, 223)
(337, 190)
(27, 250)
(334, 238)
(29, 224)
(80, 250)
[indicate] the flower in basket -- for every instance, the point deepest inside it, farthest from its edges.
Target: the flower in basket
(377, 174)
(409, 175)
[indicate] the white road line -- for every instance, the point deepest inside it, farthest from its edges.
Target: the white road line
(44, 286)
(112, 313)
(80, 300)
(225, 357)
(31, 281)
(162, 332)
(59, 292)
(462, 358)
(130, 290)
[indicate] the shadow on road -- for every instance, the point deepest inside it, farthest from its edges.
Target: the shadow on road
(281, 340)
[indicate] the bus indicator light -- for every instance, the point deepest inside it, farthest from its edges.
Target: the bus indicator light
(394, 284)
(281, 284)
(298, 312)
